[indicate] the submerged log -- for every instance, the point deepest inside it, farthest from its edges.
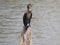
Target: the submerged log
(25, 38)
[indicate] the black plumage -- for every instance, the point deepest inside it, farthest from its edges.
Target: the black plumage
(27, 19)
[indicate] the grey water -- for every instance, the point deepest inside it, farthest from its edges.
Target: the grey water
(45, 22)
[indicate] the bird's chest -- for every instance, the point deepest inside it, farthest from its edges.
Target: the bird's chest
(28, 15)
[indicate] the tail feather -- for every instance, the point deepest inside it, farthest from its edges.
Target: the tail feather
(27, 26)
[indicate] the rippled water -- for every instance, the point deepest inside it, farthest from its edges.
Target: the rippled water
(45, 22)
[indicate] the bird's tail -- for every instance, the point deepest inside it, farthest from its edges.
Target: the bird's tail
(28, 25)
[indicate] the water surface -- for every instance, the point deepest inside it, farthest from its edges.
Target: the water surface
(45, 23)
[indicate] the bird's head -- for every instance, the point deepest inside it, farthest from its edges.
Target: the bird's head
(29, 7)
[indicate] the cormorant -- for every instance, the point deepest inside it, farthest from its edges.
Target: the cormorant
(27, 16)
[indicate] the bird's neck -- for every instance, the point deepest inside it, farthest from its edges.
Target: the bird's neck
(29, 10)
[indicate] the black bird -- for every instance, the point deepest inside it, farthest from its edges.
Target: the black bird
(27, 16)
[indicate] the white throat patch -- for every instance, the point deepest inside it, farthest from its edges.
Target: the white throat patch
(30, 10)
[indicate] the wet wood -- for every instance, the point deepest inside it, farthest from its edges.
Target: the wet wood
(25, 38)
